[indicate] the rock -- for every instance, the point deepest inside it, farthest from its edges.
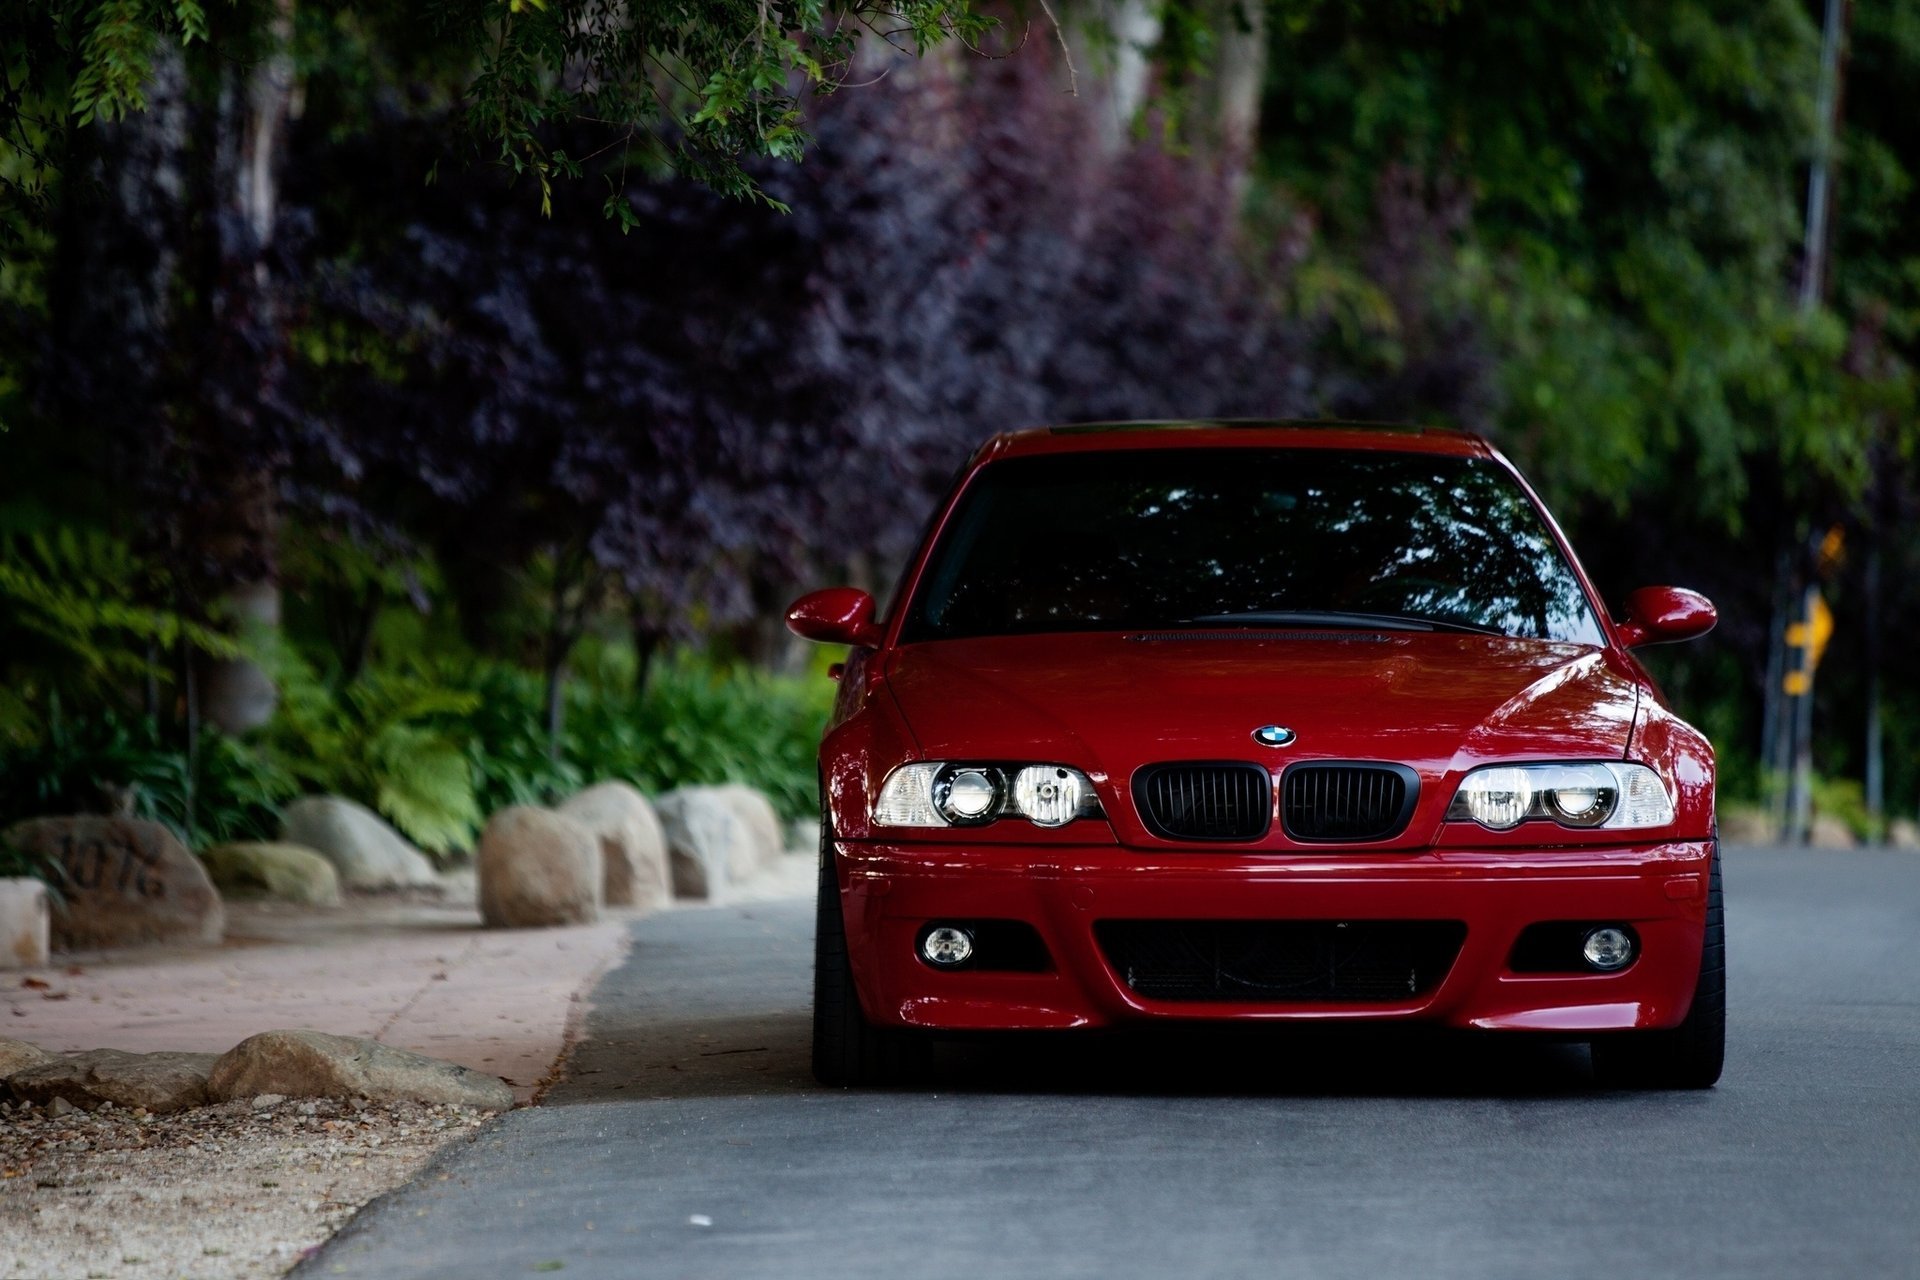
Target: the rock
(1903, 833)
(280, 872)
(753, 808)
(1828, 832)
(365, 851)
(26, 923)
(1743, 825)
(157, 1081)
(123, 883)
(60, 1107)
(18, 1055)
(633, 848)
(538, 868)
(708, 845)
(268, 1101)
(313, 1064)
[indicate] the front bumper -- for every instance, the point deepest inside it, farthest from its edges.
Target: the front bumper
(891, 891)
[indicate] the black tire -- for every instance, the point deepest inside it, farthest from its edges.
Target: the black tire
(1690, 1055)
(847, 1049)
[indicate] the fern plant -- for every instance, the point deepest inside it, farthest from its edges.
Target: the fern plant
(106, 763)
(394, 740)
(71, 621)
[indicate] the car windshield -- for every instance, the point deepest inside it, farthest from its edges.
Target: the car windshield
(1152, 539)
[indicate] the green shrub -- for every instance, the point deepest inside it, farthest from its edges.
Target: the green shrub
(1845, 799)
(701, 722)
(71, 621)
(17, 863)
(395, 740)
(506, 742)
(104, 763)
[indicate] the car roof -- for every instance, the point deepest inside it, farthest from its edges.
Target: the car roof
(1236, 433)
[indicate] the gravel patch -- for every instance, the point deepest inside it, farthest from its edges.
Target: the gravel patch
(235, 1190)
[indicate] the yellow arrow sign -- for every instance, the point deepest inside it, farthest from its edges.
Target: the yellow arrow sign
(1811, 635)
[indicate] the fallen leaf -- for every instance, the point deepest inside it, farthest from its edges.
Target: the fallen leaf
(35, 984)
(552, 1264)
(55, 995)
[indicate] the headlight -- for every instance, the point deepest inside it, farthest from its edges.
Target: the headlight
(937, 794)
(1051, 795)
(1614, 796)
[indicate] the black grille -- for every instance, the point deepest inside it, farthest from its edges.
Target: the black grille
(1334, 801)
(1231, 801)
(1281, 961)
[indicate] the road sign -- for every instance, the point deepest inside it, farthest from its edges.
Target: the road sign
(1811, 636)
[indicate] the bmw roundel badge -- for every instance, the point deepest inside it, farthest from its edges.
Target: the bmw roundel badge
(1273, 735)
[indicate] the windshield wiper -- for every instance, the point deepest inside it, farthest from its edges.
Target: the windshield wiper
(1341, 619)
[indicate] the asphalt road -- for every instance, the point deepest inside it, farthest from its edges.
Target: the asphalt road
(690, 1140)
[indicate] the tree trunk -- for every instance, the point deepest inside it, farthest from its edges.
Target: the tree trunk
(238, 695)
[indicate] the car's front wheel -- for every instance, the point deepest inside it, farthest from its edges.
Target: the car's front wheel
(847, 1049)
(1690, 1055)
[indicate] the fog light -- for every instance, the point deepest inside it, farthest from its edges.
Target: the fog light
(947, 947)
(1607, 948)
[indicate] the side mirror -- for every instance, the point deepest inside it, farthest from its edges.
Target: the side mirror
(1660, 615)
(838, 615)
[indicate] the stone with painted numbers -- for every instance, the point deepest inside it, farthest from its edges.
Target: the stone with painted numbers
(120, 882)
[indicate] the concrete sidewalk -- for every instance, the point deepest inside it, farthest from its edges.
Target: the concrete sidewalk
(418, 974)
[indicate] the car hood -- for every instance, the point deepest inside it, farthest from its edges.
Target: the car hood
(1111, 702)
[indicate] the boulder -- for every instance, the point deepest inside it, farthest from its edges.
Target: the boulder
(708, 844)
(1743, 825)
(26, 923)
(1903, 833)
(1828, 832)
(157, 1081)
(122, 883)
(18, 1055)
(313, 1064)
(633, 849)
(279, 872)
(762, 821)
(538, 867)
(365, 851)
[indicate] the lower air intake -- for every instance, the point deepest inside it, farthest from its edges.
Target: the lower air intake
(1281, 961)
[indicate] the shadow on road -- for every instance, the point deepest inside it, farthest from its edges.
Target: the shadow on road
(715, 1003)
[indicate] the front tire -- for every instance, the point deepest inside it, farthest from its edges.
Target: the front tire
(1689, 1056)
(847, 1049)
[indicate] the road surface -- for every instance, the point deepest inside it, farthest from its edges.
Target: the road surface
(690, 1140)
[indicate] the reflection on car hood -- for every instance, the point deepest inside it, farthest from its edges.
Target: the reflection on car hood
(1112, 702)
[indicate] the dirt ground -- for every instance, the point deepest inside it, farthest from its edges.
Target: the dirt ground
(217, 1193)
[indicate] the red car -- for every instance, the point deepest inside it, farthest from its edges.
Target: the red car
(1209, 722)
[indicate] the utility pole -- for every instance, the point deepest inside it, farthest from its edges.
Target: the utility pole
(1813, 258)
(1876, 763)
(1773, 737)
(1808, 640)
(1815, 621)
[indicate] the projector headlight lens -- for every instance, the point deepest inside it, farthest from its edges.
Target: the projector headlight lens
(967, 797)
(1616, 796)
